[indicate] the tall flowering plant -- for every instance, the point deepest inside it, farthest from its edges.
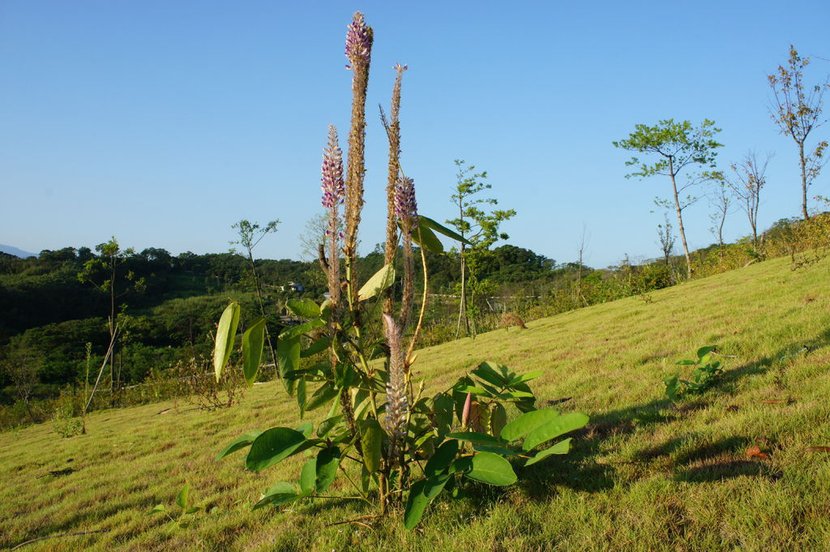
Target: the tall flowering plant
(392, 444)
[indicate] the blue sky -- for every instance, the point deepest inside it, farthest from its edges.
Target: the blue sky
(163, 123)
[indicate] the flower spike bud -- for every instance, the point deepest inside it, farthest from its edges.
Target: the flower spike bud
(406, 207)
(358, 41)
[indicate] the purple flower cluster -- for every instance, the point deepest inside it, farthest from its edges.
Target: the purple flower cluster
(358, 40)
(332, 179)
(406, 208)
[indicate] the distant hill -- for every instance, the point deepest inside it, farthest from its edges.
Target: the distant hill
(11, 250)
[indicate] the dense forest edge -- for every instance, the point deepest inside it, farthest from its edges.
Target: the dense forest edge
(56, 308)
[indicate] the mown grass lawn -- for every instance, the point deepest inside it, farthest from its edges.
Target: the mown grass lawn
(644, 475)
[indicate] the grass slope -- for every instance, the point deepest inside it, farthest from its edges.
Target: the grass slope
(645, 475)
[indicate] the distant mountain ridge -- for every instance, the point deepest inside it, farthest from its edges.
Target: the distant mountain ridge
(11, 250)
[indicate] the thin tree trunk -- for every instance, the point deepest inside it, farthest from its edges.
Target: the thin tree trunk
(804, 212)
(462, 309)
(680, 227)
(112, 330)
(262, 312)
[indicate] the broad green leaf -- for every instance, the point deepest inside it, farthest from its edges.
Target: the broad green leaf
(239, 443)
(182, 497)
(420, 495)
(498, 418)
(301, 329)
(426, 238)
(527, 422)
(381, 280)
(523, 378)
(441, 229)
(305, 308)
(490, 375)
(554, 428)
(305, 428)
(158, 508)
(473, 390)
(487, 467)
(500, 450)
(516, 395)
(476, 438)
(562, 447)
(225, 335)
(324, 394)
(672, 387)
(301, 396)
(443, 458)
(288, 357)
(278, 494)
(365, 479)
(253, 341)
(308, 477)
(371, 437)
(328, 460)
(328, 424)
(703, 351)
(273, 445)
(443, 410)
(318, 346)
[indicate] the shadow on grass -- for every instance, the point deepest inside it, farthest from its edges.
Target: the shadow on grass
(711, 462)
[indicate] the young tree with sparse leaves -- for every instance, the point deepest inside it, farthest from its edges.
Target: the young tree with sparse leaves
(721, 200)
(796, 110)
(106, 272)
(477, 225)
(666, 237)
(250, 234)
(672, 148)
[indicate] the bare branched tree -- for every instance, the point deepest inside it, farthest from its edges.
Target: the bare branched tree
(796, 110)
(746, 182)
(721, 200)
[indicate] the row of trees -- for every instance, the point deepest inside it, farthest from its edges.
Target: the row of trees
(672, 148)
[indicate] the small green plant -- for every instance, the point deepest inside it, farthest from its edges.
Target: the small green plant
(706, 373)
(183, 503)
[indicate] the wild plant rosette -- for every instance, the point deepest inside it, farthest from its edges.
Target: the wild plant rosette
(394, 444)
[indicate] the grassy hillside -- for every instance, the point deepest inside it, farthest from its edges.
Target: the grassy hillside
(644, 475)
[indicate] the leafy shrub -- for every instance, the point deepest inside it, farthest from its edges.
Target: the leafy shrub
(509, 319)
(66, 417)
(195, 381)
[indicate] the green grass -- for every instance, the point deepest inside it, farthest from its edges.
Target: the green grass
(644, 475)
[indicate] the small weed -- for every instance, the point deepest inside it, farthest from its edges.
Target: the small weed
(704, 376)
(182, 501)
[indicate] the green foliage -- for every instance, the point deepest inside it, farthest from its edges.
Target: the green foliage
(492, 444)
(706, 373)
(380, 281)
(183, 504)
(253, 341)
(225, 336)
(66, 417)
(674, 144)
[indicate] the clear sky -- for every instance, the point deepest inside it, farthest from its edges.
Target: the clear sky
(164, 122)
